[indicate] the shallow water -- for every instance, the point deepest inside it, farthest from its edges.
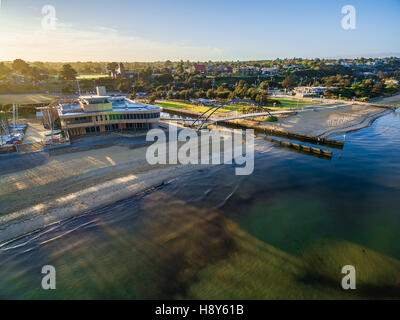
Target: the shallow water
(283, 232)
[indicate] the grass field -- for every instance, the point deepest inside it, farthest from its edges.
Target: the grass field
(25, 98)
(285, 104)
(289, 103)
(191, 107)
(92, 76)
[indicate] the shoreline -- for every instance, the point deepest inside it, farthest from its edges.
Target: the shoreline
(366, 122)
(324, 123)
(33, 219)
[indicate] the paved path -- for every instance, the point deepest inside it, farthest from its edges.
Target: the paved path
(34, 133)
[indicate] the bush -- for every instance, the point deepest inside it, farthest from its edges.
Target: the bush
(249, 109)
(271, 119)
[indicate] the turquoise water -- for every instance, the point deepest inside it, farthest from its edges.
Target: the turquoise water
(283, 232)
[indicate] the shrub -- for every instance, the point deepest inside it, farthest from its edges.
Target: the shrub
(271, 119)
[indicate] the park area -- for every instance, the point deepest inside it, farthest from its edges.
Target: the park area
(27, 104)
(280, 104)
(92, 76)
(25, 98)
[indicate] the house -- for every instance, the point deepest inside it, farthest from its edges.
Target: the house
(310, 91)
(273, 70)
(142, 95)
(274, 91)
(391, 82)
(129, 74)
(16, 78)
(225, 69)
(368, 74)
(197, 68)
(204, 102)
(247, 70)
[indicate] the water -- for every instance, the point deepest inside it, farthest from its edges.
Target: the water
(284, 232)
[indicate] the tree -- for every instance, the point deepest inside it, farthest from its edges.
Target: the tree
(67, 72)
(378, 89)
(68, 89)
(152, 99)
(4, 70)
(264, 85)
(261, 99)
(210, 94)
(20, 66)
(34, 74)
(180, 68)
(288, 82)
(201, 93)
(112, 66)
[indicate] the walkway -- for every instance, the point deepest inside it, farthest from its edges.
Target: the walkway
(34, 133)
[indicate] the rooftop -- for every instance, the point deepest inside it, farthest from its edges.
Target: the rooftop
(116, 104)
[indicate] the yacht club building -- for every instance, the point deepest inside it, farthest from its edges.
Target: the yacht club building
(94, 114)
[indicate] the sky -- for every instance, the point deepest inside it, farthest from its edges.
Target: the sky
(218, 30)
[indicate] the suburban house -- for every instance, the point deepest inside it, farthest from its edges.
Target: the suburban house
(200, 68)
(310, 91)
(392, 82)
(273, 70)
(225, 69)
(247, 71)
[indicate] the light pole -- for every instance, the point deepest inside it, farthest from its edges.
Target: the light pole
(79, 87)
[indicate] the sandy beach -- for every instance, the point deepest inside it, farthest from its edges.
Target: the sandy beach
(393, 100)
(325, 122)
(57, 186)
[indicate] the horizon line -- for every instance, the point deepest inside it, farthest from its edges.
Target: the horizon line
(370, 56)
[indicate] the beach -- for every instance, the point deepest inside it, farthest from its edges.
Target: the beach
(324, 122)
(393, 100)
(64, 184)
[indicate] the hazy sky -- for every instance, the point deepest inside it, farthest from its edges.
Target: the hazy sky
(150, 30)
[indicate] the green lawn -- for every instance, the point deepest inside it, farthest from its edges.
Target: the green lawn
(25, 98)
(285, 104)
(289, 103)
(191, 107)
(92, 76)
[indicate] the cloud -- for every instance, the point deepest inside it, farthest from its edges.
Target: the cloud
(76, 43)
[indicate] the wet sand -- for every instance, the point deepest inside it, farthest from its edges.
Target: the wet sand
(70, 182)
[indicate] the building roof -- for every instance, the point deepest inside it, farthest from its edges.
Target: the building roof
(200, 67)
(117, 104)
